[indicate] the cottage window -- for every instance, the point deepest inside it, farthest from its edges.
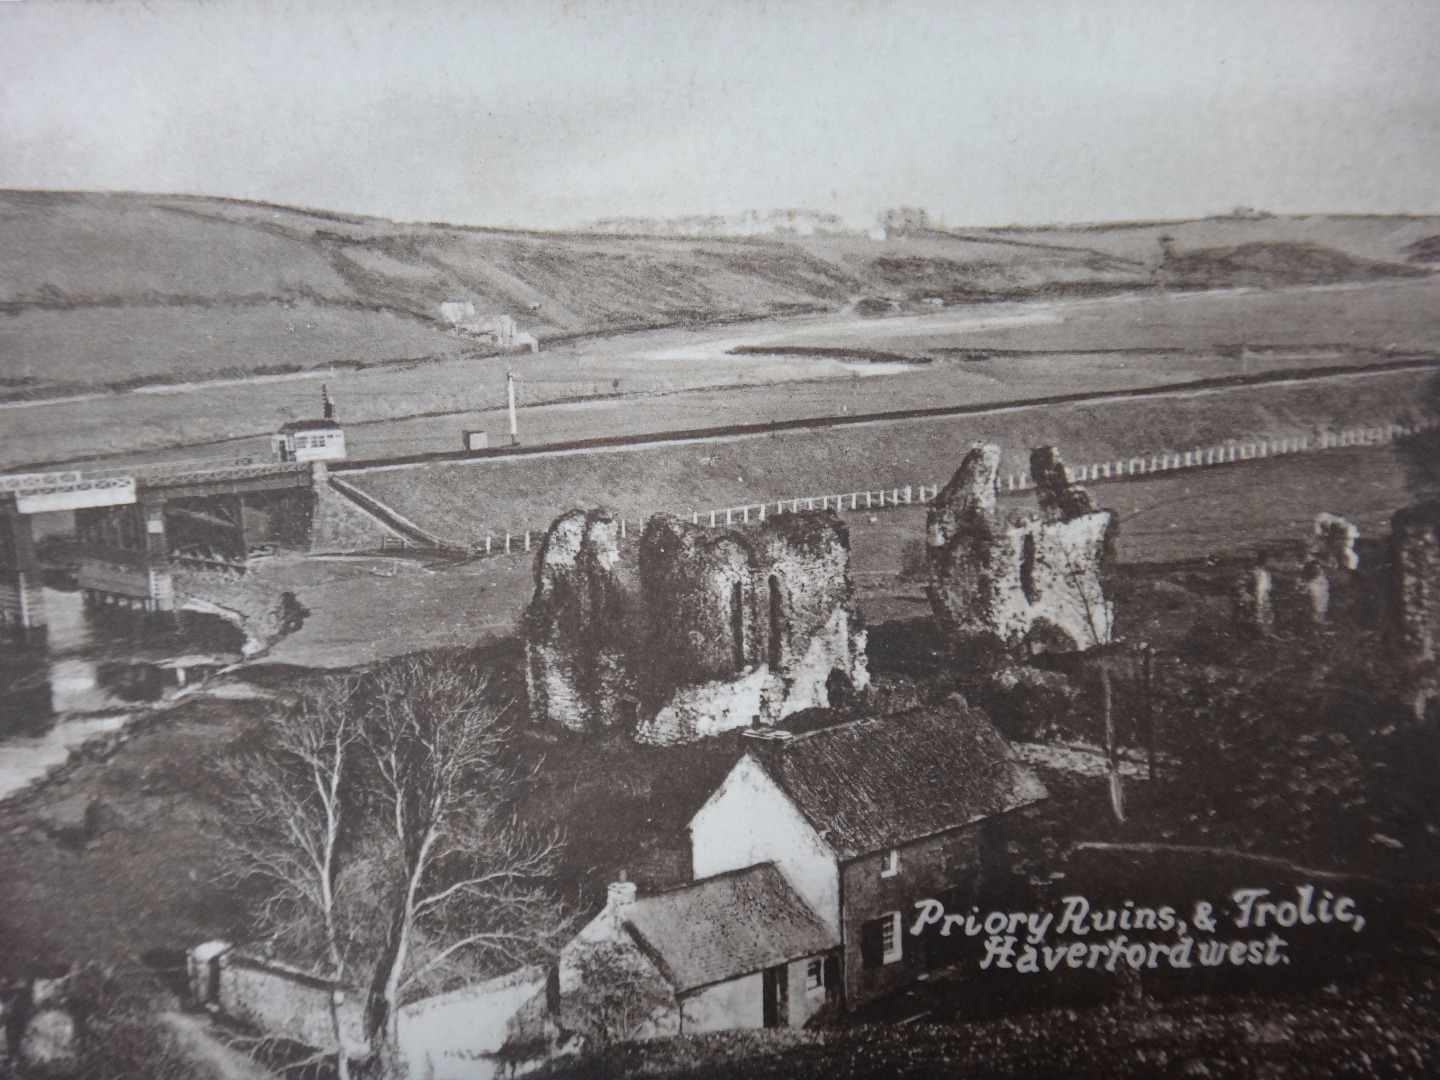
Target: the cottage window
(880, 942)
(890, 938)
(892, 864)
(815, 976)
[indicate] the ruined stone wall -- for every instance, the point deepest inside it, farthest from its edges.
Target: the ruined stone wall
(732, 627)
(809, 631)
(1415, 557)
(1030, 580)
(574, 670)
(745, 627)
(699, 605)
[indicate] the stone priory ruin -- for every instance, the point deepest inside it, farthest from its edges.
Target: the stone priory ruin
(732, 626)
(1032, 580)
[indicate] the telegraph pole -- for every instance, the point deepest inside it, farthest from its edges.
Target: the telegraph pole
(510, 393)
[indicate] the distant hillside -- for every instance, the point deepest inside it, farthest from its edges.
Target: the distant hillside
(1425, 250)
(1278, 263)
(125, 289)
(1382, 237)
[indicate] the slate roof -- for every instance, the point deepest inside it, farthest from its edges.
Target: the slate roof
(310, 425)
(726, 926)
(879, 783)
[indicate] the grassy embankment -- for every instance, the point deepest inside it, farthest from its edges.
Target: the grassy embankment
(464, 501)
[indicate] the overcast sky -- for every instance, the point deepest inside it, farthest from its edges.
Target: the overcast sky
(551, 115)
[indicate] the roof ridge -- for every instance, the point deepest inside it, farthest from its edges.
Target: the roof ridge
(857, 790)
(948, 705)
(723, 874)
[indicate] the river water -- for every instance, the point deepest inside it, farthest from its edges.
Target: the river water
(96, 669)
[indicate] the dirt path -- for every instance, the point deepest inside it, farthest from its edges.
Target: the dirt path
(196, 1038)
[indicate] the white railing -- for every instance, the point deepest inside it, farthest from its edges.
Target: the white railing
(29, 481)
(69, 478)
(161, 468)
(520, 541)
(80, 494)
(1118, 469)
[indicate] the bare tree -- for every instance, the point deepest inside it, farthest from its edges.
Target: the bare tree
(290, 814)
(380, 813)
(466, 881)
(1112, 749)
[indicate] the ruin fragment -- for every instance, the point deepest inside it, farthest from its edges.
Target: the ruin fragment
(574, 660)
(1254, 599)
(731, 627)
(1330, 563)
(1332, 544)
(1032, 581)
(1415, 599)
(1315, 588)
(744, 626)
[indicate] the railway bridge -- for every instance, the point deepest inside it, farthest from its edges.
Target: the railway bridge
(133, 524)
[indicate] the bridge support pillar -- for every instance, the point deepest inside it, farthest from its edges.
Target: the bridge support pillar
(125, 560)
(22, 604)
(160, 584)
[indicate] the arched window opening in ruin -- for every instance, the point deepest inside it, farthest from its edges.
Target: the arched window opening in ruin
(629, 711)
(839, 689)
(776, 623)
(737, 623)
(1027, 569)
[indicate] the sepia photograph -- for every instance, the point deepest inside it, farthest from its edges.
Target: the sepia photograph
(615, 539)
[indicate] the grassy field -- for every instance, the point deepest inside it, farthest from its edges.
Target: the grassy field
(1364, 235)
(99, 293)
(240, 274)
(370, 609)
(1384, 314)
(367, 609)
(677, 378)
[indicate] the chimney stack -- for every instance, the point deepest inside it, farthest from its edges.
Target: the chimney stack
(619, 897)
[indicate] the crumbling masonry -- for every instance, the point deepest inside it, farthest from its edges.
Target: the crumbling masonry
(574, 667)
(745, 626)
(1031, 581)
(1415, 563)
(733, 627)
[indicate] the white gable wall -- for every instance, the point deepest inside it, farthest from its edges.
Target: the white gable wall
(739, 1003)
(748, 821)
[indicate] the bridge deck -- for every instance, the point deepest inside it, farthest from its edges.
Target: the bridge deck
(42, 492)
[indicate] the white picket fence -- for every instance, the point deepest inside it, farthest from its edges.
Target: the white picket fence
(521, 541)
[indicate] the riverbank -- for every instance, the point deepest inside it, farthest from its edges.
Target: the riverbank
(110, 857)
